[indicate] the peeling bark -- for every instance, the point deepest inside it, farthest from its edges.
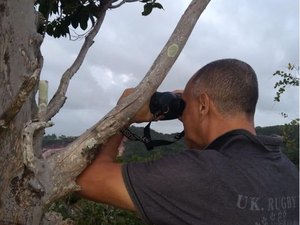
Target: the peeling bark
(18, 101)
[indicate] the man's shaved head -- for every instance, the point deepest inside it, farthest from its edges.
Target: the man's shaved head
(230, 83)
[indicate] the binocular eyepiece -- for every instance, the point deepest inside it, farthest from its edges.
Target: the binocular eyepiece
(168, 104)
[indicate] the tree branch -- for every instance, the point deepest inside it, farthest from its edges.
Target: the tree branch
(29, 158)
(16, 105)
(79, 152)
(59, 97)
(121, 3)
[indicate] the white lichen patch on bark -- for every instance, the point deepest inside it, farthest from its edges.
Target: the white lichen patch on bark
(91, 143)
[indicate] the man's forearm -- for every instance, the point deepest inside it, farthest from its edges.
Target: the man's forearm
(102, 181)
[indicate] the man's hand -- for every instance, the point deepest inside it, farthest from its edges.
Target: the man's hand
(144, 114)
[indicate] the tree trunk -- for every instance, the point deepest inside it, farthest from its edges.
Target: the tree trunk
(29, 180)
(20, 58)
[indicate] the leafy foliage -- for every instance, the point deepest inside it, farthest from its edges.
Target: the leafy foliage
(289, 78)
(66, 13)
(63, 15)
(291, 139)
(290, 131)
(85, 212)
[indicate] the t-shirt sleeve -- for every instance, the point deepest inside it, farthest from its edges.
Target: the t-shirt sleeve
(164, 190)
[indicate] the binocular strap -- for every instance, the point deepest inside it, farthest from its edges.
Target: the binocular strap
(147, 140)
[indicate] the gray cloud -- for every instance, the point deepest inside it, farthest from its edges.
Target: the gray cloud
(263, 33)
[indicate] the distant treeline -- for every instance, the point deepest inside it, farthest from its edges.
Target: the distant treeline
(136, 151)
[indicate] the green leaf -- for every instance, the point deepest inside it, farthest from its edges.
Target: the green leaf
(49, 30)
(65, 30)
(157, 5)
(54, 7)
(43, 8)
(74, 22)
(56, 32)
(147, 9)
(83, 17)
(83, 24)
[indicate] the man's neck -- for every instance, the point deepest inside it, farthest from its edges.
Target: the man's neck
(223, 125)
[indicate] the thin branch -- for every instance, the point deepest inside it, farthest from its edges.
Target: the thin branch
(59, 97)
(29, 158)
(16, 105)
(121, 3)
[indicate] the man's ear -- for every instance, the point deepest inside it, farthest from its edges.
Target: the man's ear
(203, 104)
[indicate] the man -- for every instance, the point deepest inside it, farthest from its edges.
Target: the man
(228, 175)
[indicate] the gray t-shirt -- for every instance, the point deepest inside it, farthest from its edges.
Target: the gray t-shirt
(239, 179)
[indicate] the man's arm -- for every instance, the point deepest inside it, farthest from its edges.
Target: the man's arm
(102, 181)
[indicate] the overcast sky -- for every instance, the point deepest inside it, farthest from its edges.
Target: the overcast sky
(263, 33)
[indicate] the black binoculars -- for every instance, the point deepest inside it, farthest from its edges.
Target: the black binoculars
(169, 105)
